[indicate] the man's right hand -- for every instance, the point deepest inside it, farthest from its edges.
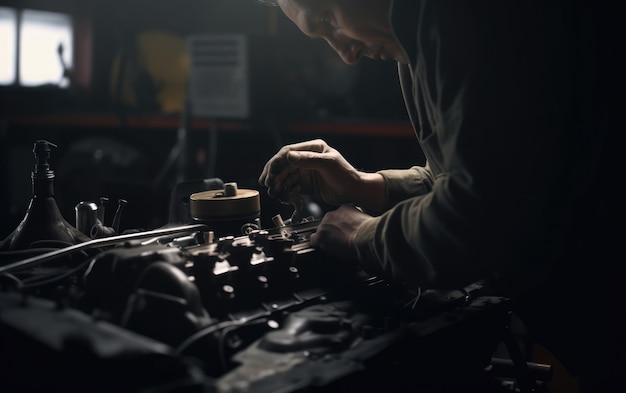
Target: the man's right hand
(316, 169)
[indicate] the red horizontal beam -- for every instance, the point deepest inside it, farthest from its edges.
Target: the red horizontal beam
(359, 127)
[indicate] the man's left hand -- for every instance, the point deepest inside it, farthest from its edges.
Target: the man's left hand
(337, 230)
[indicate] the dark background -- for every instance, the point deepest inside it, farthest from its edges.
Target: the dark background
(115, 147)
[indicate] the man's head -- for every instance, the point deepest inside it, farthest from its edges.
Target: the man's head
(353, 28)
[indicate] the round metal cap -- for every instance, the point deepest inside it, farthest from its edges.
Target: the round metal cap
(217, 203)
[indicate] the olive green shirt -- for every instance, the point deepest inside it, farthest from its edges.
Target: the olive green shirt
(491, 121)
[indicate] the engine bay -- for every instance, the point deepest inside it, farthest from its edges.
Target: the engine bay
(259, 312)
(222, 304)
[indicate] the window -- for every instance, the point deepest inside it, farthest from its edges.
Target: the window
(8, 31)
(36, 47)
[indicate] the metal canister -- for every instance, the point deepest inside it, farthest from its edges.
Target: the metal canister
(86, 216)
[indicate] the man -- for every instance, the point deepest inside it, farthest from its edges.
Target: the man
(511, 103)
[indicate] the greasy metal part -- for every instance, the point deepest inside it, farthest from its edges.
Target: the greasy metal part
(39, 259)
(99, 230)
(230, 189)
(278, 220)
(209, 237)
(298, 205)
(86, 216)
(104, 201)
(118, 215)
(295, 229)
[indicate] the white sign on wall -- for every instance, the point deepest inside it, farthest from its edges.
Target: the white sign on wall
(218, 76)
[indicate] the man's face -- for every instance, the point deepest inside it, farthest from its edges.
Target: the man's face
(353, 28)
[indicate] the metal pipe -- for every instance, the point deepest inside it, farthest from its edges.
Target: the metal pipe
(39, 259)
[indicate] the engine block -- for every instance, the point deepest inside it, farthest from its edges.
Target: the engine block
(180, 309)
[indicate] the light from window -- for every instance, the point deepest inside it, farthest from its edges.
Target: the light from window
(8, 28)
(42, 34)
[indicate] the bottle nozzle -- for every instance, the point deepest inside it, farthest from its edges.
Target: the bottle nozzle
(41, 150)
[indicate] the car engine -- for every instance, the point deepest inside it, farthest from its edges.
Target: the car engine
(220, 304)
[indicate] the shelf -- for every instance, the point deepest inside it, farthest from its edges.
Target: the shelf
(166, 122)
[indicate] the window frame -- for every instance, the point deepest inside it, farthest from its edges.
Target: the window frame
(81, 21)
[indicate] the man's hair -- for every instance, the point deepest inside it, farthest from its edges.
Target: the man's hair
(273, 3)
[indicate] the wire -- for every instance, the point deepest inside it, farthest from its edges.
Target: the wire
(12, 256)
(416, 299)
(28, 251)
(17, 281)
(102, 242)
(53, 243)
(38, 281)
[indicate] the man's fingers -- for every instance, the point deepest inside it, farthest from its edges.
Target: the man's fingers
(271, 168)
(316, 146)
(273, 173)
(278, 164)
(310, 160)
(281, 174)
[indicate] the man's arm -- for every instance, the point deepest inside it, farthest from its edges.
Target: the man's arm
(495, 94)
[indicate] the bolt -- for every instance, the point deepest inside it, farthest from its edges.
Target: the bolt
(103, 202)
(118, 214)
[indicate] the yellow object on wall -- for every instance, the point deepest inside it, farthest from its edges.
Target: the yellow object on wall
(163, 58)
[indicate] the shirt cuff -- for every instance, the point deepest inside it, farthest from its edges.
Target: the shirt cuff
(401, 184)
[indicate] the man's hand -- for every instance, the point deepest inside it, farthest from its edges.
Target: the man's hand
(311, 168)
(316, 169)
(337, 230)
